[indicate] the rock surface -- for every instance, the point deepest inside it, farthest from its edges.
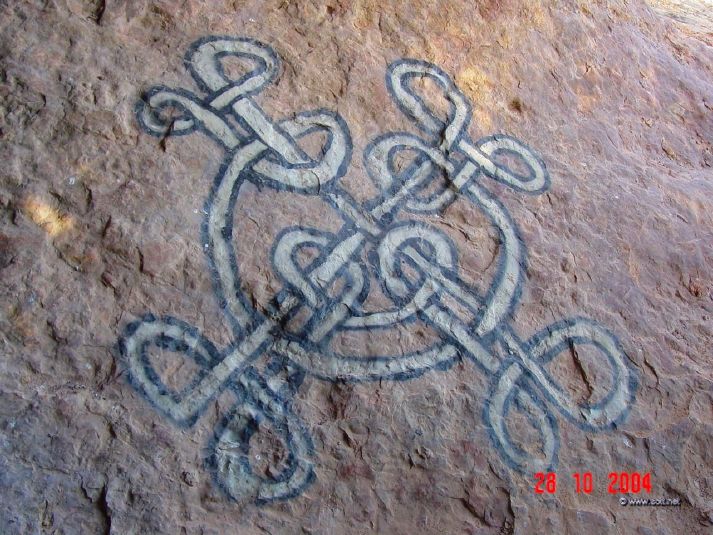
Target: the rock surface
(693, 16)
(101, 225)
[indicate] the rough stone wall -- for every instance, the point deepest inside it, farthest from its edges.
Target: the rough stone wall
(694, 17)
(101, 225)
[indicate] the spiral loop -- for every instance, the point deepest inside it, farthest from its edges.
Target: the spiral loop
(430, 243)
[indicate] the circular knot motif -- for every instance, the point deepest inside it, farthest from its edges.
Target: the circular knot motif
(326, 275)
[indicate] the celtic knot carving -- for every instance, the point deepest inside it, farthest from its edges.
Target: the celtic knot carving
(266, 152)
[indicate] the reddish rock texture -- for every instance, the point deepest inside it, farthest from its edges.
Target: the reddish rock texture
(694, 17)
(101, 224)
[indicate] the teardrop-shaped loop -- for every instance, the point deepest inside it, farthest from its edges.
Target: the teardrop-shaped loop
(168, 333)
(553, 341)
(203, 60)
(189, 113)
(488, 151)
(317, 175)
(431, 243)
(284, 257)
(379, 161)
(399, 77)
(231, 461)
(510, 391)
